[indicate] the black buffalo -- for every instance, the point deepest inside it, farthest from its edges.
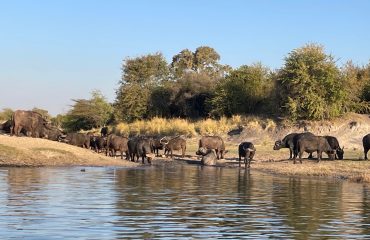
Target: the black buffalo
(31, 122)
(78, 139)
(287, 142)
(98, 143)
(143, 149)
(104, 132)
(6, 126)
(158, 144)
(140, 147)
(366, 144)
(311, 143)
(176, 143)
(334, 144)
(53, 133)
(131, 145)
(117, 143)
(213, 142)
(246, 150)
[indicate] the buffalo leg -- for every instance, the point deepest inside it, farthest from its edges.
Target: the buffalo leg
(365, 152)
(318, 156)
(300, 157)
(290, 153)
(240, 159)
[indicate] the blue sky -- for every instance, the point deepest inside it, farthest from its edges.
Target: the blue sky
(55, 51)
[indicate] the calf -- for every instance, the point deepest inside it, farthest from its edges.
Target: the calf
(246, 150)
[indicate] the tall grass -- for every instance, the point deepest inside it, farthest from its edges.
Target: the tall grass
(157, 126)
(177, 126)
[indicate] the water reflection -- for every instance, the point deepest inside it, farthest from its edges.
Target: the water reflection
(178, 201)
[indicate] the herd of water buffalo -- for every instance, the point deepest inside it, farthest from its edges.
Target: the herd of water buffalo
(211, 148)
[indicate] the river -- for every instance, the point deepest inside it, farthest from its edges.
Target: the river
(178, 201)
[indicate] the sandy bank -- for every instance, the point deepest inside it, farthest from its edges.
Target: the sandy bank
(36, 152)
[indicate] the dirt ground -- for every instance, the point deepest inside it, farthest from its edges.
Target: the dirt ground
(36, 152)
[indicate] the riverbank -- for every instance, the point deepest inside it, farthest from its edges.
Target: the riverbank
(36, 152)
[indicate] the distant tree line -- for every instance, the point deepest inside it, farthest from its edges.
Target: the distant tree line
(310, 85)
(195, 85)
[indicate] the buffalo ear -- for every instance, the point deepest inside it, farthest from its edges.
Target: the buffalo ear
(342, 148)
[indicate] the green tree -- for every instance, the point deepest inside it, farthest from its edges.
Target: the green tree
(190, 95)
(6, 114)
(160, 101)
(245, 90)
(206, 60)
(311, 84)
(147, 70)
(356, 80)
(88, 113)
(44, 113)
(182, 62)
(132, 102)
(58, 120)
(140, 76)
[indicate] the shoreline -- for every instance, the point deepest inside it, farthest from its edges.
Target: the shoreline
(36, 152)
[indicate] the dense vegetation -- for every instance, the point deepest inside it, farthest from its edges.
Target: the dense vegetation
(310, 85)
(195, 85)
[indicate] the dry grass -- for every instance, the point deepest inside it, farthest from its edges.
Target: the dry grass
(156, 126)
(178, 126)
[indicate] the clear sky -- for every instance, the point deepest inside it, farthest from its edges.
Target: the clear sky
(55, 51)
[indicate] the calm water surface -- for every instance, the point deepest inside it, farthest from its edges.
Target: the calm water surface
(177, 201)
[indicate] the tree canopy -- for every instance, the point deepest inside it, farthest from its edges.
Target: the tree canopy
(88, 113)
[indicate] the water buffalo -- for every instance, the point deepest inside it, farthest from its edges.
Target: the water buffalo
(209, 157)
(176, 143)
(287, 142)
(98, 143)
(366, 144)
(53, 133)
(246, 150)
(334, 144)
(213, 142)
(32, 122)
(116, 143)
(104, 132)
(131, 145)
(158, 144)
(6, 126)
(143, 149)
(308, 143)
(78, 139)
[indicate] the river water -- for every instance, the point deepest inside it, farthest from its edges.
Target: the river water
(177, 202)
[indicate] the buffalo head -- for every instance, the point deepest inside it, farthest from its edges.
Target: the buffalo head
(278, 144)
